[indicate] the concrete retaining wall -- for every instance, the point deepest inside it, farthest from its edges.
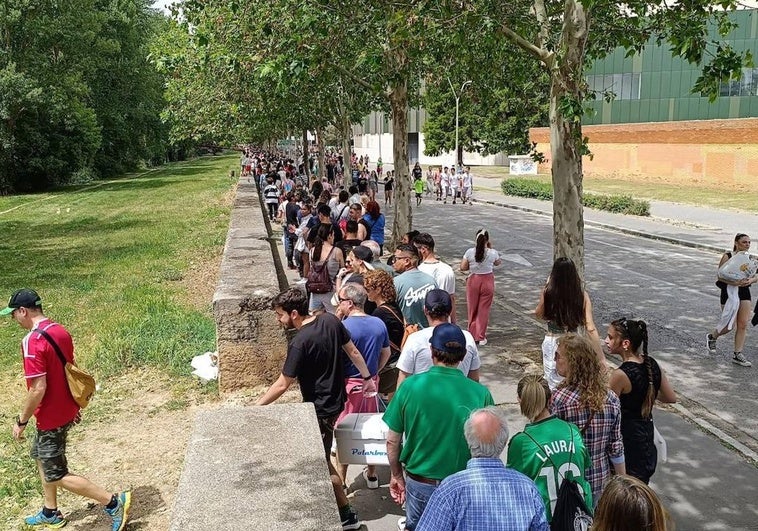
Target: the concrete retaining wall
(256, 468)
(251, 346)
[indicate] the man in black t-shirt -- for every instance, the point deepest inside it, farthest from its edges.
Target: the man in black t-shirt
(315, 359)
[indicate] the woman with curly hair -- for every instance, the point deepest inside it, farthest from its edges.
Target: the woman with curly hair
(583, 398)
(638, 382)
(627, 504)
(566, 307)
(381, 291)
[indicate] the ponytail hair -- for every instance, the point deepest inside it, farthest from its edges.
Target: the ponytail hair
(534, 395)
(636, 333)
(323, 233)
(482, 237)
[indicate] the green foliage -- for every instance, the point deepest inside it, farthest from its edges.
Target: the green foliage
(620, 204)
(76, 91)
(527, 188)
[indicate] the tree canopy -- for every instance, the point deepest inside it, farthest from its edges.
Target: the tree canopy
(266, 68)
(78, 96)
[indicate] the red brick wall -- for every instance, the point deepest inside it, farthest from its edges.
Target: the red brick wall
(710, 151)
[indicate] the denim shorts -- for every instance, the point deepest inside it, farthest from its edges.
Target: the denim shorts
(49, 448)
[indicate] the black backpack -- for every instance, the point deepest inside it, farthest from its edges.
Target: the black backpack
(571, 512)
(318, 280)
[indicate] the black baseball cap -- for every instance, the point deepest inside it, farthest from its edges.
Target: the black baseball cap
(26, 298)
(438, 301)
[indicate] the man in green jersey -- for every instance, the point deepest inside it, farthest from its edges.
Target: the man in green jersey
(430, 409)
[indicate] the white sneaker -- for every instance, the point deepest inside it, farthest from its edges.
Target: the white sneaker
(371, 482)
(483, 342)
(401, 524)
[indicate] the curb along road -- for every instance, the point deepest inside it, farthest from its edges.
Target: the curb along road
(607, 226)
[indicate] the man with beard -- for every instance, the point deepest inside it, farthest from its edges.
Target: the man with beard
(315, 360)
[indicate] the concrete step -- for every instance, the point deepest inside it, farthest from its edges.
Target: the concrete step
(255, 468)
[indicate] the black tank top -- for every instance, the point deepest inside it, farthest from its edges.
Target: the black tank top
(631, 403)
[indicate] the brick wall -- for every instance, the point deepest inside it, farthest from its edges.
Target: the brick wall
(718, 152)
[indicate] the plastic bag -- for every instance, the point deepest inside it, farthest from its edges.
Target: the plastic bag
(739, 267)
(206, 366)
(660, 445)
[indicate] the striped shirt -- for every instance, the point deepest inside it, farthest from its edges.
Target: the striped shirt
(485, 496)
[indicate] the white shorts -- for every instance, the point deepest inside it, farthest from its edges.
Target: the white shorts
(549, 346)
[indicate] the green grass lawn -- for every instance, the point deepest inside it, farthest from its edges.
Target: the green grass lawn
(116, 262)
(697, 193)
(109, 259)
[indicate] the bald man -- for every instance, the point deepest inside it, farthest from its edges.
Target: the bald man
(485, 492)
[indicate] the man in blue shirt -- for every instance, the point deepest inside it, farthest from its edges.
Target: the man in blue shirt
(486, 495)
(370, 336)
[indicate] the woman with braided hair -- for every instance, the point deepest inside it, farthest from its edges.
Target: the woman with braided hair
(638, 382)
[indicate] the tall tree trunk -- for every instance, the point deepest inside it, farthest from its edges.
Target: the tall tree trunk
(459, 156)
(306, 157)
(346, 134)
(403, 214)
(321, 158)
(566, 140)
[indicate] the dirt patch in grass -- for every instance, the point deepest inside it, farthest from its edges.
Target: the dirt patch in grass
(201, 277)
(137, 443)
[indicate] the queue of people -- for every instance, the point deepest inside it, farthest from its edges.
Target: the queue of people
(445, 437)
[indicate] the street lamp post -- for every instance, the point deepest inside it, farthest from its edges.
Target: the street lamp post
(457, 101)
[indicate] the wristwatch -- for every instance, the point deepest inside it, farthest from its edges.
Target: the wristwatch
(367, 378)
(19, 423)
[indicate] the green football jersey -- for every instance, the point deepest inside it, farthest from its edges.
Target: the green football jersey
(557, 453)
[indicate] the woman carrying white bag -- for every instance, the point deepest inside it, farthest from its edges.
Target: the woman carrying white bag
(736, 275)
(639, 382)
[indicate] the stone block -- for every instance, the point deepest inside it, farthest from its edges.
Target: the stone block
(254, 468)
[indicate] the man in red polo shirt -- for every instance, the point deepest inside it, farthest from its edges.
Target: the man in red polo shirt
(49, 400)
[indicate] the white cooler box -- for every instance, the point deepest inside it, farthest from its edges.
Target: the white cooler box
(362, 439)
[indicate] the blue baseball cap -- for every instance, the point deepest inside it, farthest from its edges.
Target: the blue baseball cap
(438, 301)
(448, 337)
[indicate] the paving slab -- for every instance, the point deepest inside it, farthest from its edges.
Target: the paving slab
(246, 469)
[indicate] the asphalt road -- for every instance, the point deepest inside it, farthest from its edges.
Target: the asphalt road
(705, 484)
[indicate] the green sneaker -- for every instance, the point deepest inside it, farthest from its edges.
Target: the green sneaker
(41, 521)
(121, 511)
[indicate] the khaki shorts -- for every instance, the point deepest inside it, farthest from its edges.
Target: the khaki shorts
(49, 448)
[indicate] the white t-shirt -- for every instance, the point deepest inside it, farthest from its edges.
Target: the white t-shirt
(466, 179)
(416, 356)
(485, 266)
(442, 273)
